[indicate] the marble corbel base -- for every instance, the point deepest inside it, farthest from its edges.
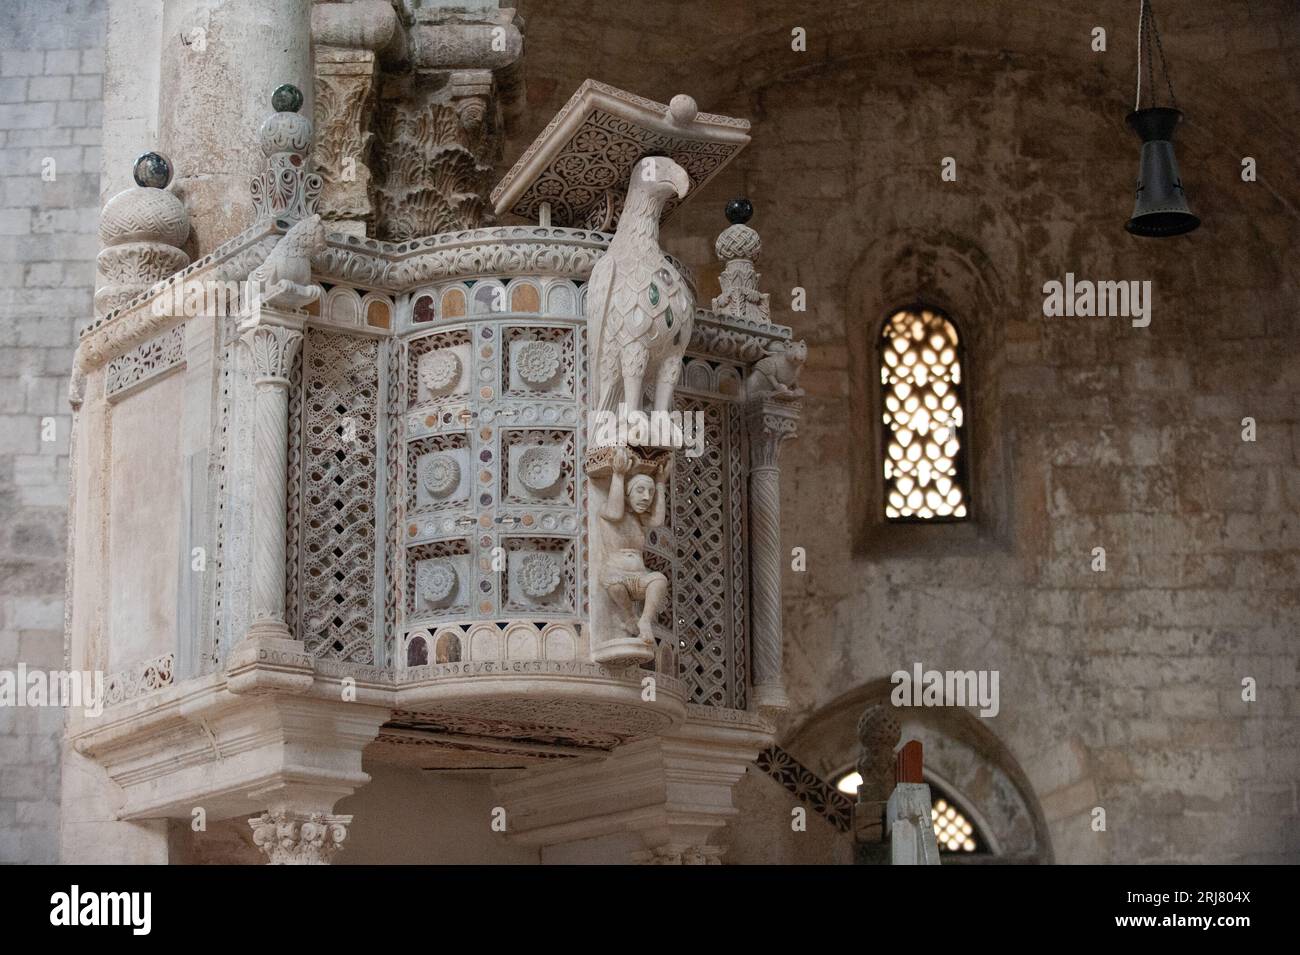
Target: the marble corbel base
(655, 801)
(199, 746)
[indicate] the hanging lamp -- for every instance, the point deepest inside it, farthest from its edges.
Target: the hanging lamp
(1160, 209)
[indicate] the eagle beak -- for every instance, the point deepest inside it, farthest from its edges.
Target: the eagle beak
(681, 182)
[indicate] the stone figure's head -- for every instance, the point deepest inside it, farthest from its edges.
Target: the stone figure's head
(660, 177)
(641, 493)
(314, 233)
(796, 352)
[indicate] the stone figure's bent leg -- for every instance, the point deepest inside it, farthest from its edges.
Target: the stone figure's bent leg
(656, 589)
(618, 592)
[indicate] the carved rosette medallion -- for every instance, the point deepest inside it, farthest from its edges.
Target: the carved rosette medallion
(440, 475)
(539, 469)
(539, 575)
(438, 371)
(538, 362)
(435, 581)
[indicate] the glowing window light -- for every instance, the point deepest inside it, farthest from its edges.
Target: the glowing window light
(924, 418)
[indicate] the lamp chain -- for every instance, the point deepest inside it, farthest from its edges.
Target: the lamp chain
(1147, 27)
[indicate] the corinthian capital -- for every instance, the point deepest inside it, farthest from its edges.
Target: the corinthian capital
(272, 348)
(299, 838)
(770, 422)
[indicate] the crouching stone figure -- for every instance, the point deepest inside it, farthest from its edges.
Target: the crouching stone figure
(635, 504)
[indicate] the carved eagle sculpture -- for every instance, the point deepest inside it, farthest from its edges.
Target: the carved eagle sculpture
(639, 307)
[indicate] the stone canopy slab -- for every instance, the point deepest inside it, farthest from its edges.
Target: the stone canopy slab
(582, 160)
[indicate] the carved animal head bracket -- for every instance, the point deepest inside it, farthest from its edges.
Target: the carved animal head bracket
(284, 280)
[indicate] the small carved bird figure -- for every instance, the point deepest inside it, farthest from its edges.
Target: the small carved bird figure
(639, 307)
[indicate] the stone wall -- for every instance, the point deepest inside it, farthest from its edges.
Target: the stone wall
(50, 94)
(1119, 689)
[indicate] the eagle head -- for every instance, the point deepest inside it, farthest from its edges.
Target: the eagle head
(661, 178)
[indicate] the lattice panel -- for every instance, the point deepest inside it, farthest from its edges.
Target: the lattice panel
(341, 394)
(809, 788)
(705, 589)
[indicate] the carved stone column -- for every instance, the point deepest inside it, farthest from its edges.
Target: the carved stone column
(440, 125)
(272, 340)
(290, 837)
(770, 422)
(348, 38)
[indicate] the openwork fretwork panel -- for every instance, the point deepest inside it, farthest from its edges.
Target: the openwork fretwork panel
(921, 375)
(339, 407)
(708, 577)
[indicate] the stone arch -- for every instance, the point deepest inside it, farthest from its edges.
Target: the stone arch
(963, 755)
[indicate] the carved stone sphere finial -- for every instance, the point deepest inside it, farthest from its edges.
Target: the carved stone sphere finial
(739, 211)
(286, 99)
(153, 171)
(682, 109)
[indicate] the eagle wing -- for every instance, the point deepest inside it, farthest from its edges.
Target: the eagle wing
(603, 326)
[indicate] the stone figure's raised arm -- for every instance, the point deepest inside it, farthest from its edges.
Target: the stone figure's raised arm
(661, 496)
(615, 502)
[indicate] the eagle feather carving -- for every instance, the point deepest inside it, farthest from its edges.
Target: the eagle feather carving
(639, 306)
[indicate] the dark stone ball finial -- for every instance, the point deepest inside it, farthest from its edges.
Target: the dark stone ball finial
(152, 170)
(286, 99)
(739, 211)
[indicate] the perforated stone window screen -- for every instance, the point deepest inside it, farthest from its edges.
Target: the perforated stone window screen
(924, 416)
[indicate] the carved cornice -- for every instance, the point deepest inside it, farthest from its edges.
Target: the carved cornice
(726, 336)
(472, 253)
(140, 679)
(403, 266)
(138, 320)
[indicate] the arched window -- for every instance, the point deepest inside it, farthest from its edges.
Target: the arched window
(924, 409)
